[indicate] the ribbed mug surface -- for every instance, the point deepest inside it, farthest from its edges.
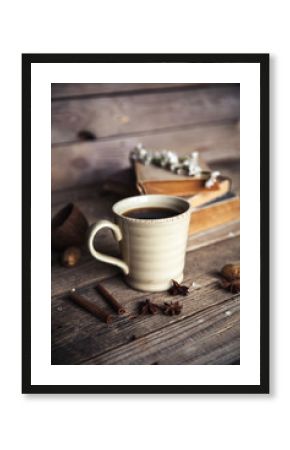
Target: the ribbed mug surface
(154, 249)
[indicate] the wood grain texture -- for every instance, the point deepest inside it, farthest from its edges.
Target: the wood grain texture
(128, 115)
(84, 163)
(65, 90)
(78, 336)
(217, 234)
(211, 336)
(183, 118)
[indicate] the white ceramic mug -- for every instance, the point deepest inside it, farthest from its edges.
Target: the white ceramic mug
(152, 250)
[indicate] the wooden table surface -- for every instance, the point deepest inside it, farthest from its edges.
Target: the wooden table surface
(181, 117)
(206, 332)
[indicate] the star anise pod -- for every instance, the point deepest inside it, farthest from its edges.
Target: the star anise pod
(148, 307)
(178, 289)
(172, 308)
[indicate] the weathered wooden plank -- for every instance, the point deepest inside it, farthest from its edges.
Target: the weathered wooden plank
(125, 115)
(209, 237)
(64, 90)
(83, 336)
(90, 162)
(91, 201)
(211, 336)
(77, 335)
(74, 194)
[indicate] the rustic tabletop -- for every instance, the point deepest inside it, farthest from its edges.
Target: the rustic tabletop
(206, 331)
(180, 117)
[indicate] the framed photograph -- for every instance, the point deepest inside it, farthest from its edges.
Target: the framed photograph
(145, 208)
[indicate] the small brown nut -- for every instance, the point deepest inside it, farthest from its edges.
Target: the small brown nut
(231, 272)
(71, 257)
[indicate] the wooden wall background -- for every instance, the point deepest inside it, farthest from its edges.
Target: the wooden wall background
(180, 117)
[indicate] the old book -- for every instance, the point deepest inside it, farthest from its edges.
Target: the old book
(204, 196)
(213, 214)
(212, 207)
(155, 180)
(151, 179)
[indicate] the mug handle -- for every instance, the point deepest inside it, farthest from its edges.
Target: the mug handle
(100, 256)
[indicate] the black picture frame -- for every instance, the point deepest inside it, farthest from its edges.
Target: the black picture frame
(263, 60)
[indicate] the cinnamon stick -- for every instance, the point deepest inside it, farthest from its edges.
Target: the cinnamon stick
(89, 306)
(111, 299)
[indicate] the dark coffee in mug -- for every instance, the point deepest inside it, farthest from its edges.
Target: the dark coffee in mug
(152, 251)
(151, 213)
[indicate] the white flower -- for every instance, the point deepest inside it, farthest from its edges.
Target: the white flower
(212, 179)
(188, 165)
